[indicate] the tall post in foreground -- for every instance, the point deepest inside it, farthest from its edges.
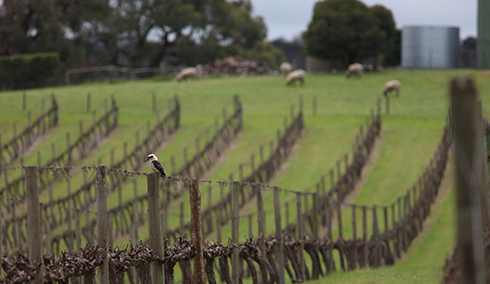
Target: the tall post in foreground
(280, 247)
(34, 229)
(102, 234)
(235, 269)
(156, 242)
(196, 227)
(470, 178)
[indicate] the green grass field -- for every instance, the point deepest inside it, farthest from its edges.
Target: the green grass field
(409, 136)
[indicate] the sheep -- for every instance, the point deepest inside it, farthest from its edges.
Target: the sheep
(185, 73)
(393, 85)
(296, 75)
(285, 68)
(355, 68)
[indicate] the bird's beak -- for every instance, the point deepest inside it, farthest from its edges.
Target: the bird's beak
(146, 159)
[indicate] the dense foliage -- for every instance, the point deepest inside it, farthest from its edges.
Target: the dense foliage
(348, 30)
(134, 33)
(27, 70)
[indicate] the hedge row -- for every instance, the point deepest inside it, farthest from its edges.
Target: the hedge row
(32, 70)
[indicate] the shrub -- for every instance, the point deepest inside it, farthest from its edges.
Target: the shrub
(32, 70)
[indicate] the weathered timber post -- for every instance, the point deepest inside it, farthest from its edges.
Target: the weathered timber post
(354, 232)
(364, 237)
(299, 225)
(328, 216)
(314, 105)
(24, 101)
(34, 225)
(471, 180)
(235, 194)
(155, 227)
(89, 96)
(102, 234)
(280, 247)
(315, 215)
(260, 218)
(154, 102)
(196, 227)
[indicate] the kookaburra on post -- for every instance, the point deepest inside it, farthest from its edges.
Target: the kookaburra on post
(156, 166)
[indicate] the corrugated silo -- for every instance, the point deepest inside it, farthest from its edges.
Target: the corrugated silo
(430, 47)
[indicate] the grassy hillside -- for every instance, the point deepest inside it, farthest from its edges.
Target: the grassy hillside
(409, 136)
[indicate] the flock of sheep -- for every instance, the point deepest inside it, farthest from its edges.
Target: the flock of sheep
(353, 69)
(286, 69)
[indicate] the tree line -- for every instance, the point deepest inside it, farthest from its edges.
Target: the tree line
(135, 33)
(145, 33)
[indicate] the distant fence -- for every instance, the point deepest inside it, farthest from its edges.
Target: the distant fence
(111, 72)
(19, 144)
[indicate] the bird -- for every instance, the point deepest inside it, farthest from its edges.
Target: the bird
(156, 166)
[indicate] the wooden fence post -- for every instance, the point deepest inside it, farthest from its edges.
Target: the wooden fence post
(154, 102)
(328, 216)
(315, 217)
(235, 194)
(395, 238)
(34, 224)
(299, 228)
(401, 225)
(471, 180)
(196, 225)
(78, 229)
(280, 247)
(260, 218)
(314, 105)
(24, 101)
(155, 227)
(89, 96)
(354, 232)
(102, 235)
(364, 237)
(68, 214)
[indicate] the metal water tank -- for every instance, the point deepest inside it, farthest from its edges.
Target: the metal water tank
(430, 47)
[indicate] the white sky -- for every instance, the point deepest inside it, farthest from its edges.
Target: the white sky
(288, 18)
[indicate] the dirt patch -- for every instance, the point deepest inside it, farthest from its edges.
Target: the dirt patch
(484, 73)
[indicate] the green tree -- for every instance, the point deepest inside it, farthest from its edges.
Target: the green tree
(232, 30)
(348, 30)
(42, 26)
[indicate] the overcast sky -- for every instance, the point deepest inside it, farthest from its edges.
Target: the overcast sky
(288, 18)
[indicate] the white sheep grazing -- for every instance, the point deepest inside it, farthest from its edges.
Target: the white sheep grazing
(285, 68)
(296, 75)
(355, 68)
(185, 73)
(393, 85)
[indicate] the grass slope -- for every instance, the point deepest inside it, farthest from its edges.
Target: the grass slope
(410, 134)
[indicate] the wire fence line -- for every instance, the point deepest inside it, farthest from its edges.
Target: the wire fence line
(13, 149)
(85, 195)
(81, 148)
(266, 261)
